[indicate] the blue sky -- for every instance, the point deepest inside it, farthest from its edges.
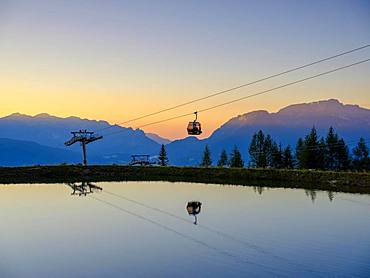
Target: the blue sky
(115, 60)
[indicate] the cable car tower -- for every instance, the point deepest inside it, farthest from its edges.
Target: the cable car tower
(84, 137)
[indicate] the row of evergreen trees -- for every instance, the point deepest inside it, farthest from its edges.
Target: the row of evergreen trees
(329, 153)
(264, 152)
(235, 159)
(311, 152)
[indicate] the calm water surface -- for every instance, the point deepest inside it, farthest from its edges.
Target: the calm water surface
(142, 229)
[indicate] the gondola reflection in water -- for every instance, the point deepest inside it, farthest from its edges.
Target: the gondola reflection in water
(84, 188)
(193, 208)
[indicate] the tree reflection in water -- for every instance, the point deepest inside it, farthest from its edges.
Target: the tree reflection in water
(258, 189)
(311, 193)
(331, 195)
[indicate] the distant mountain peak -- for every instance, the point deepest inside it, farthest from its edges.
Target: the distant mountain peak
(316, 106)
(158, 139)
(319, 113)
(249, 118)
(254, 115)
(17, 115)
(324, 108)
(191, 139)
(333, 100)
(43, 115)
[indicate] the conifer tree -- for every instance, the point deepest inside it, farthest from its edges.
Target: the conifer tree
(206, 160)
(300, 153)
(321, 155)
(268, 150)
(222, 162)
(236, 160)
(258, 148)
(163, 159)
(344, 160)
(311, 151)
(277, 156)
(288, 160)
(311, 144)
(361, 160)
(263, 151)
(332, 150)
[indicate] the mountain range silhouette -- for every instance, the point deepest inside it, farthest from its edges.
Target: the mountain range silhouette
(29, 140)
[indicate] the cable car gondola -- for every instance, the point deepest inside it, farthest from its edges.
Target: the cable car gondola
(194, 128)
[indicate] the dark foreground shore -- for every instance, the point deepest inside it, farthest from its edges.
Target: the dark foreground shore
(320, 180)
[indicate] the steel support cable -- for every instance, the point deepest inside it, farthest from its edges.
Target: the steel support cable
(285, 85)
(212, 230)
(272, 270)
(253, 95)
(168, 119)
(240, 86)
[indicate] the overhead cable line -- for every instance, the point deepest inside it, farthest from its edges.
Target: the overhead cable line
(252, 95)
(285, 85)
(240, 86)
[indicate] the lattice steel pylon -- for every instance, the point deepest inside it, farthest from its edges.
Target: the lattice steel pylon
(84, 137)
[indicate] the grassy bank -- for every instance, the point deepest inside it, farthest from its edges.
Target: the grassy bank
(321, 180)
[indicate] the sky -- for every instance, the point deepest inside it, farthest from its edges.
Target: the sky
(117, 60)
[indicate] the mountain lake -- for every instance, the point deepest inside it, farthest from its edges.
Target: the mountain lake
(147, 229)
